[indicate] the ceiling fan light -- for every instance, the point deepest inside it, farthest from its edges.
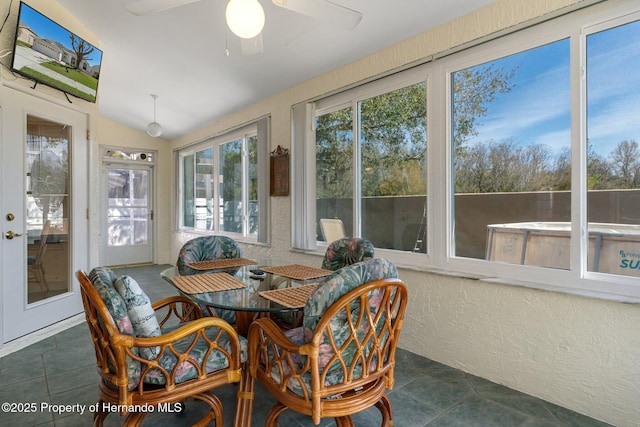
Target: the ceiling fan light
(245, 18)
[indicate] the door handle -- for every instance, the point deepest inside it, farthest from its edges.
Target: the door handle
(10, 234)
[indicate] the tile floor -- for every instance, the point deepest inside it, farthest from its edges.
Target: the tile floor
(61, 370)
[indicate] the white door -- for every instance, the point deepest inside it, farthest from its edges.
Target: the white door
(129, 214)
(44, 222)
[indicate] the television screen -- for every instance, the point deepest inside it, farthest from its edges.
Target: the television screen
(52, 55)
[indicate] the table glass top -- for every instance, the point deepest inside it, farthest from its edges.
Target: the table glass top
(246, 298)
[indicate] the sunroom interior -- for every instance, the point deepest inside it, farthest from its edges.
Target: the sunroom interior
(489, 158)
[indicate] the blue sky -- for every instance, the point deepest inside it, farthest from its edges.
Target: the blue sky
(537, 110)
(47, 29)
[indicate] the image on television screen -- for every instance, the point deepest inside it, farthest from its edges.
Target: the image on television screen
(52, 55)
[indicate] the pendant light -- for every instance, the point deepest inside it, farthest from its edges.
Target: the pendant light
(245, 18)
(154, 129)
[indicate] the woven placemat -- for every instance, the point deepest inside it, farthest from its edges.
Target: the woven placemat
(200, 283)
(220, 263)
(295, 297)
(297, 271)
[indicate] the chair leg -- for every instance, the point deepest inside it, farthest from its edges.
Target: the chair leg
(134, 419)
(100, 415)
(274, 414)
(216, 409)
(345, 421)
(39, 275)
(384, 406)
(43, 278)
(244, 399)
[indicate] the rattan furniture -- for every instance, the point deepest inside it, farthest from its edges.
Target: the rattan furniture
(191, 356)
(341, 361)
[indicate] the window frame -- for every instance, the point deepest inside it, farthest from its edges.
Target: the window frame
(440, 257)
(352, 99)
(244, 134)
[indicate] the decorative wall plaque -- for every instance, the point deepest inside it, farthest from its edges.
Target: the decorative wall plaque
(279, 173)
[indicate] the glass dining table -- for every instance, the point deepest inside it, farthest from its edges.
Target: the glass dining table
(241, 290)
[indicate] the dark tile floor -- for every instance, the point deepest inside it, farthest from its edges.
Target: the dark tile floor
(60, 370)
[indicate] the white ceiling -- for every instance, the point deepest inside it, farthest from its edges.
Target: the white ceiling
(179, 54)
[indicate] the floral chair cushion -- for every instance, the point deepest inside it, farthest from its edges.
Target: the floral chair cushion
(143, 317)
(102, 279)
(206, 248)
(341, 282)
(329, 291)
(347, 251)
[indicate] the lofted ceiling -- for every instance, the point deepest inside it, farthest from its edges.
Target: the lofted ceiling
(179, 54)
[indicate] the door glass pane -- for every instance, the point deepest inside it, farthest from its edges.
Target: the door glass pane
(393, 141)
(334, 169)
(613, 150)
(231, 186)
(127, 213)
(48, 208)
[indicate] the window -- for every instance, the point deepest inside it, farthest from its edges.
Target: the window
(219, 186)
(533, 138)
(511, 153)
(613, 150)
(376, 182)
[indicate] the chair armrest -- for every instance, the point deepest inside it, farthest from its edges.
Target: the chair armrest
(197, 326)
(272, 353)
(265, 328)
(181, 307)
(204, 348)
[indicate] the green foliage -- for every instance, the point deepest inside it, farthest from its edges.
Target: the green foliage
(474, 89)
(392, 134)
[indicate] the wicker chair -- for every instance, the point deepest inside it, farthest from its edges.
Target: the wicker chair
(341, 361)
(208, 248)
(188, 357)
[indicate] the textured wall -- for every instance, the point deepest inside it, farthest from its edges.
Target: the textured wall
(576, 352)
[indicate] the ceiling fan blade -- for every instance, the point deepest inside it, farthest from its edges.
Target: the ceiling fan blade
(146, 7)
(325, 11)
(252, 46)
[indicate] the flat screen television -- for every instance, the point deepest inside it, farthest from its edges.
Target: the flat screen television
(48, 53)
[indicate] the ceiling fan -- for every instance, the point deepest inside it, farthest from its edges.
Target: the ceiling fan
(251, 41)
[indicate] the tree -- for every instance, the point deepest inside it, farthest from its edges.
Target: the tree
(81, 48)
(393, 136)
(561, 171)
(625, 164)
(334, 154)
(473, 89)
